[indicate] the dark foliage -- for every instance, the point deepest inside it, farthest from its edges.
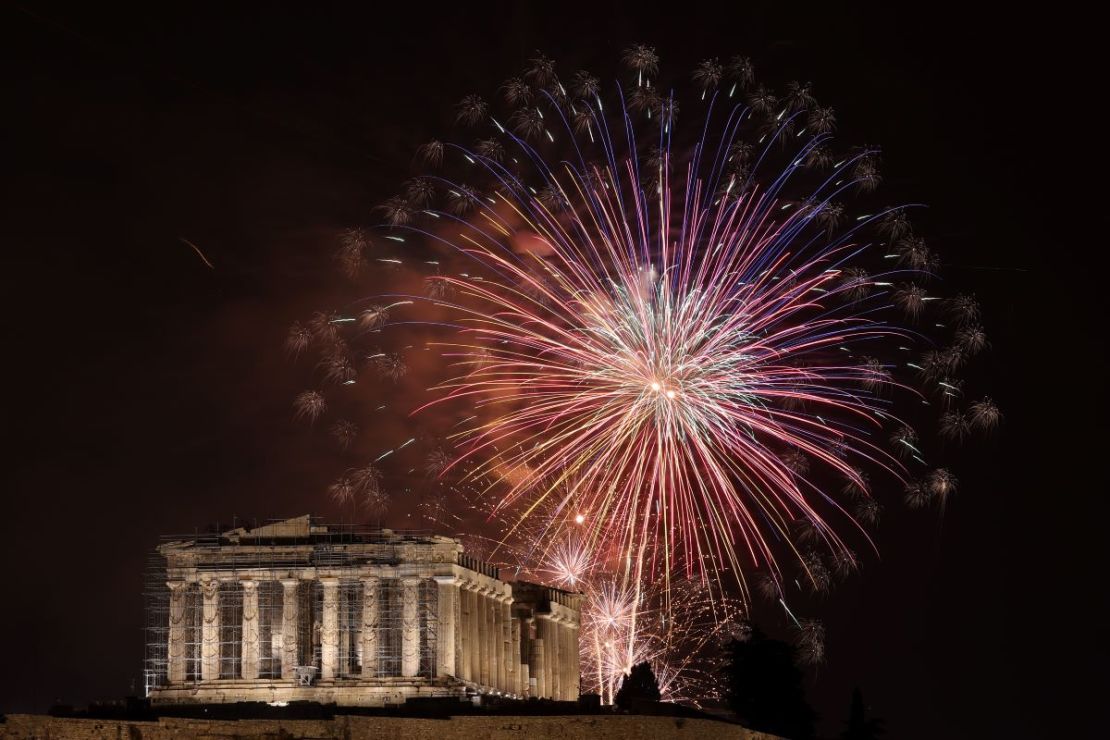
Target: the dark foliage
(639, 685)
(764, 687)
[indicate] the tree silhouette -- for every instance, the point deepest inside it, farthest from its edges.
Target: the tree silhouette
(638, 686)
(764, 687)
(859, 727)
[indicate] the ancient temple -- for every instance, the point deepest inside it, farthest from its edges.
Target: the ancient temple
(299, 611)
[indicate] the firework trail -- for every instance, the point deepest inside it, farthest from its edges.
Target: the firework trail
(695, 342)
(679, 630)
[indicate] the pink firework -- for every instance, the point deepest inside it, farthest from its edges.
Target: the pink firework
(672, 330)
(647, 344)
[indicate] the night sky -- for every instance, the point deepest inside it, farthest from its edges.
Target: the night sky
(149, 394)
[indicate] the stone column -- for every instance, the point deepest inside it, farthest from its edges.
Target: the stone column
(554, 664)
(447, 594)
(536, 667)
(514, 653)
(507, 662)
(564, 660)
(497, 646)
(574, 664)
(460, 634)
(369, 630)
(475, 633)
(210, 631)
(289, 615)
(527, 637)
(466, 614)
(410, 627)
(482, 614)
(175, 650)
(329, 629)
(348, 651)
(250, 630)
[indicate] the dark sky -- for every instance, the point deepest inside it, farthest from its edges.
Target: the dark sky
(149, 394)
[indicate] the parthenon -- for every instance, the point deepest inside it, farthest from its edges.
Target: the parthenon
(299, 611)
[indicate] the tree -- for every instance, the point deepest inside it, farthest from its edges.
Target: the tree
(859, 727)
(638, 686)
(764, 687)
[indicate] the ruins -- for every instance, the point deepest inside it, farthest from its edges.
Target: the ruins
(299, 611)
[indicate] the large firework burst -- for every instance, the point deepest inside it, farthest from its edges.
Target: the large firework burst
(699, 339)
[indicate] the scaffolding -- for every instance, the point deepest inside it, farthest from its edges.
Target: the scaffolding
(229, 558)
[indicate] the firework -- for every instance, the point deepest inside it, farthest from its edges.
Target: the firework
(985, 414)
(811, 642)
(681, 333)
(309, 405)
(665, 365)
(345, 433)
(676, 625)
(674, 358)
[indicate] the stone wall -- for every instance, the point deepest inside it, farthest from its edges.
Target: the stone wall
(567, 727)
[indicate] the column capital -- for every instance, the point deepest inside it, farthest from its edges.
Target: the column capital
(411, 580)
(177, 586)
(248, 584)
(329, 581)
(447, 580)
(210, 586)
(374, 580)
(290, 583)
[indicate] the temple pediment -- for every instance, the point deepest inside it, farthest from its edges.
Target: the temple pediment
(300, 526)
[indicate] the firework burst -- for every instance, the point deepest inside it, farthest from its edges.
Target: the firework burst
(674, 352)
(663, 347)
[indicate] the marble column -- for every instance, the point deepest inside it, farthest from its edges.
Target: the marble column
(572, 687)
(564, 647)
(557, 662)
(554, 664)
(482, 617)
(175, 650)
(447, 594)
(460, 633)
(410, 627)
(536, 667)
(527, 637)
(507, 661)
(475, 634)
(210, 631)
(514, 653)
(347, 649)
(329, 629)
(249, 669)
(369, 631)
(466, 612)
(497, 646)
(290, 655)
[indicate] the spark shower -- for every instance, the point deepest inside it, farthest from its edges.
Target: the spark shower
(682, 344)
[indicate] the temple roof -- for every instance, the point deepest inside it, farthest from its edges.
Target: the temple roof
(304, 530)
(300, 526)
